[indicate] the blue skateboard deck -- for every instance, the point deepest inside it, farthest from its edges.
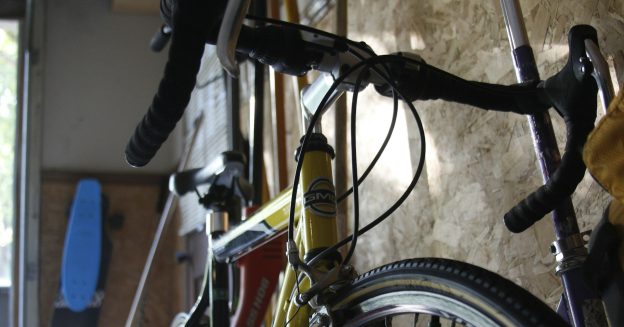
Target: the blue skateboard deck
(85, 260)
(83, 240)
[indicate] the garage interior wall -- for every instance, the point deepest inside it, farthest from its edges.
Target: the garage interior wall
(99, 78)
(478, 164)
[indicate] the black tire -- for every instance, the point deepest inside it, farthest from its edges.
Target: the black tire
(456, 291)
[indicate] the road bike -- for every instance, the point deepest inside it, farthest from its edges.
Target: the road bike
(319, 287)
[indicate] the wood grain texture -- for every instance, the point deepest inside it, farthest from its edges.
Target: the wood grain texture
(478, 164)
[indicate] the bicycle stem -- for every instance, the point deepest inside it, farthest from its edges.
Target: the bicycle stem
(311, 97)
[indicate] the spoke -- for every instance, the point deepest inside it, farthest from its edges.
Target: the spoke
(415, 319)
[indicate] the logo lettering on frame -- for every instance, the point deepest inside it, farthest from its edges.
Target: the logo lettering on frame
(320, 198)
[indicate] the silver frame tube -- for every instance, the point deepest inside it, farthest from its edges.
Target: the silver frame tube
(313, 94)
(514, 22)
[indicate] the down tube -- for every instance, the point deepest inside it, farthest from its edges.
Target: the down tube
(282, 309)
(577, 297)
(267, 223)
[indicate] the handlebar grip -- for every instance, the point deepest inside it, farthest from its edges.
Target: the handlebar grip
(546, 198)
(174, 91)
(572, 92)
(160, 38)
(420, 81)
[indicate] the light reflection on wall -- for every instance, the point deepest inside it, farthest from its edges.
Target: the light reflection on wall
(478, 164)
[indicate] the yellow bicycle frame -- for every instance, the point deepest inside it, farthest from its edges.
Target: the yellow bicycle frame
(315, 216)
(316, 231)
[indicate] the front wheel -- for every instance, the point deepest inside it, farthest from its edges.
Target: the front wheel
(450, 293)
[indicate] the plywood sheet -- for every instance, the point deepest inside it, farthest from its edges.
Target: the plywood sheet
(479, 164)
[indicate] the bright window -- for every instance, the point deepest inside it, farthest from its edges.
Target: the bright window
(8, 114)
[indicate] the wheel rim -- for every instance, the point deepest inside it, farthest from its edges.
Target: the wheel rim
(417, 302)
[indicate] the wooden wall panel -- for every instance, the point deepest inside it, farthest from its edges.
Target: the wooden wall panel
(479, 164)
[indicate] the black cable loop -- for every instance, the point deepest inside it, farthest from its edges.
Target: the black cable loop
(381, 150)
(313, 120)
(383, 146)
(366, 62)
(306, 137)
(360, 46)
(412, 185)
(356, 196)
(293, 317)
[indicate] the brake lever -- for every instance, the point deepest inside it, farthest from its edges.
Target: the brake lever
(600, 73)
(229, 33)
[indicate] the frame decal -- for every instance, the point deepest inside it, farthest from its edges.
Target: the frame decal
(320, 198)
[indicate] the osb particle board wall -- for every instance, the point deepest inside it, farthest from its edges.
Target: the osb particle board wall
(136, 199)
(478, 164)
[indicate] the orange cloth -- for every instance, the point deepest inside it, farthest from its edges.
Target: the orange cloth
(604, 151)
(604, 156)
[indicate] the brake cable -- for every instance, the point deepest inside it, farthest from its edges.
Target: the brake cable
(418, 173)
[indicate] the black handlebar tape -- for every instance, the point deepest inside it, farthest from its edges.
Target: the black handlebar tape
(171, 99)
(572, 92)
(160, 39)
(518, 98)
(187, 47)
(560, 186)
(420, 81)
(208, 14)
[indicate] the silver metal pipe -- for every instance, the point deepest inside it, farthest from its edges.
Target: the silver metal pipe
(514, 23)
(313, 94)
(217, 221)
